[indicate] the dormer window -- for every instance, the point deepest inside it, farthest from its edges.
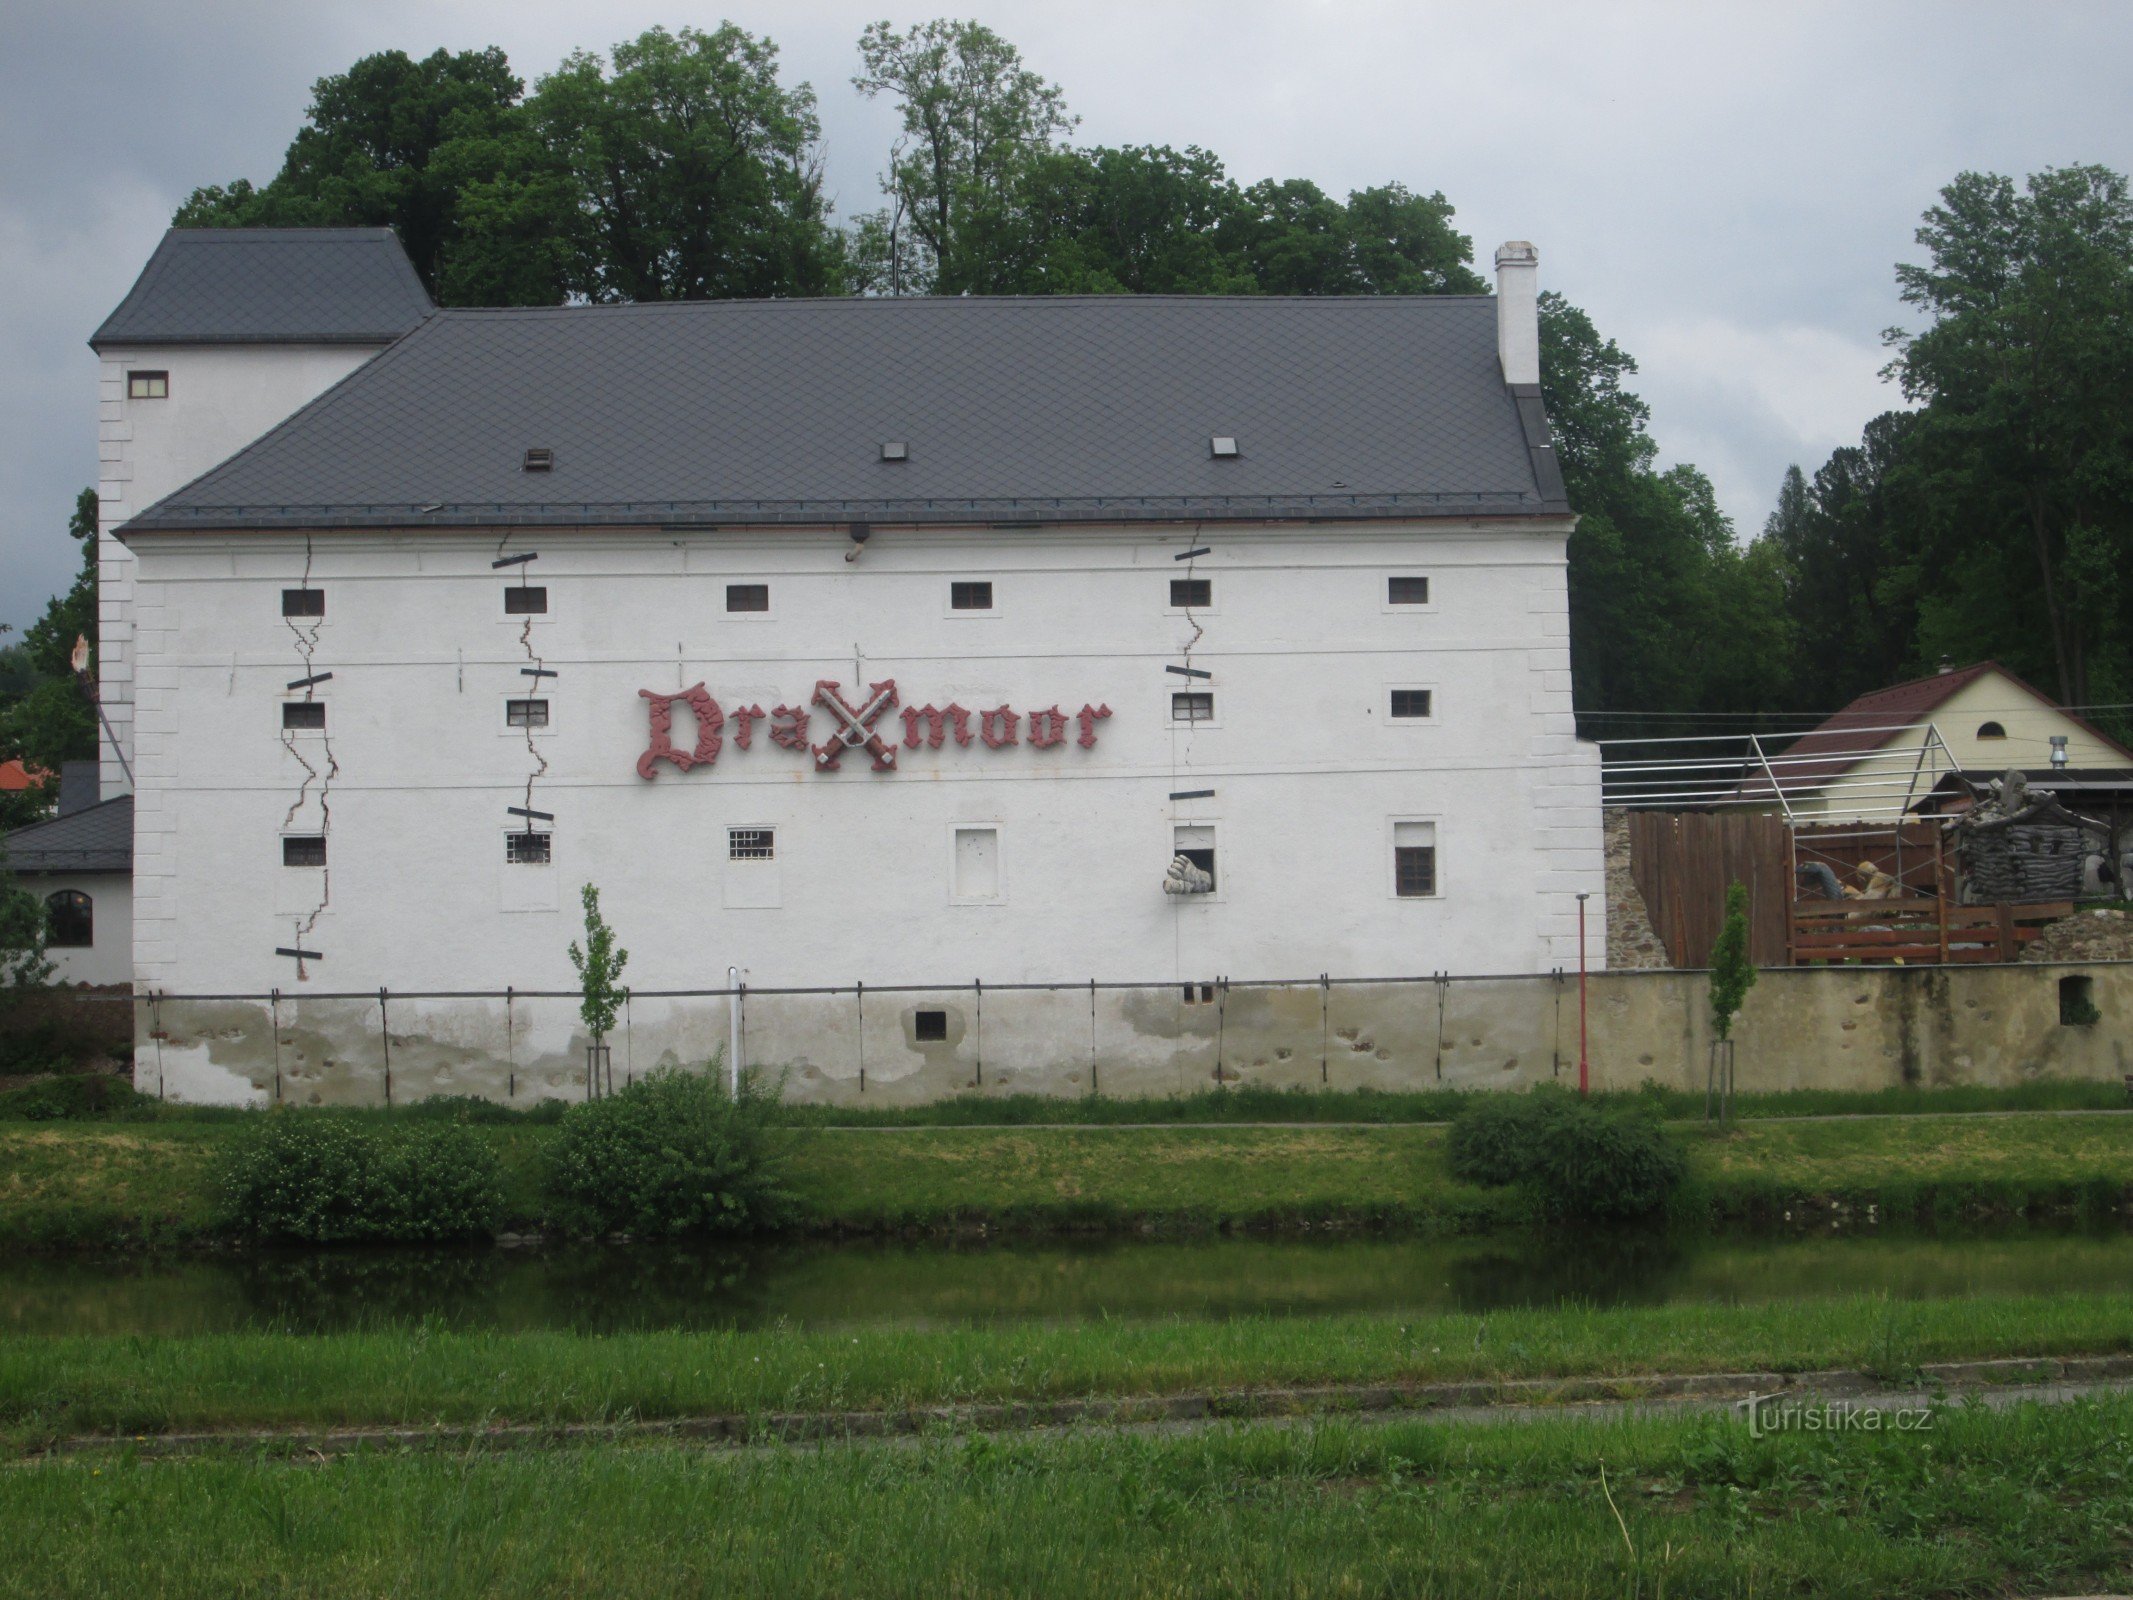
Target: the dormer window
(1991, 730)
(540, 460)
(147, 386)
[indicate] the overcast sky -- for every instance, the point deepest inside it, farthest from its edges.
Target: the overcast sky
(1723, 187)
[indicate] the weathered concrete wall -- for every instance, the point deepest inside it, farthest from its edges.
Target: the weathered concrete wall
(1829, 1028)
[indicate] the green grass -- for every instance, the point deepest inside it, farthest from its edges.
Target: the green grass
(65, 1184)
(2036, 1500)
(55, 1386)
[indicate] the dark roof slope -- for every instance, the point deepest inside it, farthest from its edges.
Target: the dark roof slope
(97, 838)
(1039, 409)
(270, 286)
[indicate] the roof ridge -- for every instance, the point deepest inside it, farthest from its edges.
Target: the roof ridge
(766, 302)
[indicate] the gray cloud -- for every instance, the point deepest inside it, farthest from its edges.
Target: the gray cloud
(1724, 188)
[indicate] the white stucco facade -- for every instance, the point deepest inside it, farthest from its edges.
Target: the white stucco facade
(108, 958)
(216, 399)
(1009, 864)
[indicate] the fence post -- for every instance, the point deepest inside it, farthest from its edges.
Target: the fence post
(2006, 922)
(385, 1043)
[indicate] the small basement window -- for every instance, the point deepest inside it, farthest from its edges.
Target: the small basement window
(1192, 705)
(1407, 591)
(1199, 994)
(303, 850)
(304, 714)
(529, 849)
(747, 597)
(929, 1027)
(303, 602)
(2077, 1003)
(1991, 730)
(525, 713)
(70, 921)
(1188, 592)
(147, 386)
(1413, 703)
(1414, 860)
(526, 600)
(975, 595)
(751, 844)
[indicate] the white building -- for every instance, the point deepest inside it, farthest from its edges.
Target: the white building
(996, 607)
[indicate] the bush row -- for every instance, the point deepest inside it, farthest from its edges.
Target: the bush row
(1581, 1163)
(669, 1156)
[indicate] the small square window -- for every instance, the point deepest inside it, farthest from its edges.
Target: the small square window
(1185, 592)
(529, 849)
(972, 596)
(303, 850)
(1411, 703)
(526, 600)
(303, 602)
(303, 714)
(1192, 705)
(525, 713)
(1407, 591)
(751, 844)
(747, 597)
(1199, 994)
(147, 386)
(929, 1027)
(1414, 860)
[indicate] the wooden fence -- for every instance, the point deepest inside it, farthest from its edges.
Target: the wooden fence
(1908, 932)
(1682, 862)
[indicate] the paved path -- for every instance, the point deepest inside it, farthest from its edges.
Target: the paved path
(1298, 1127)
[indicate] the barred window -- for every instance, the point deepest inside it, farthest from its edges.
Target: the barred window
(974, 595)
(929, 1026)
(526, 713)
(529, 849)
(751, 844)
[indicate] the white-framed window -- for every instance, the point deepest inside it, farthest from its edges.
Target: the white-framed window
(1407, 592)
(976, 874)
(1195, 841)
(1416, 871)
(1195, 706)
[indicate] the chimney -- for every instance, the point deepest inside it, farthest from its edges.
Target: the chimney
(78, 785)
(1518, 312)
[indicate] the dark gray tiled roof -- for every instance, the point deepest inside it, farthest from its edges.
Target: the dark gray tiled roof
(97, 838)
(1039, 410)
(270, 286)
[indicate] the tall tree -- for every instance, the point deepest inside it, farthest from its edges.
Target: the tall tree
(974, 118)
(2023, 446)
(49, 719)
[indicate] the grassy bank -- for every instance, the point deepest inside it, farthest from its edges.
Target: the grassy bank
(2032, 1501)
(52, 1387)
(92, 1183)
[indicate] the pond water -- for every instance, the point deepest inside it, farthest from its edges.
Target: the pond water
(591, 1289)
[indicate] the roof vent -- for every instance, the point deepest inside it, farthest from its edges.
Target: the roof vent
(895, 450)
(540, 460)
(1221, 445)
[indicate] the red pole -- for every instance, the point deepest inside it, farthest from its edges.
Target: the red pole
(1584, 1071)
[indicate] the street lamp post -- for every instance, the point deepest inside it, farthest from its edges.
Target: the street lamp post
(1584, 1071)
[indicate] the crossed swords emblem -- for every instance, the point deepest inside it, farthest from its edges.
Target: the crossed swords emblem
(856, 730)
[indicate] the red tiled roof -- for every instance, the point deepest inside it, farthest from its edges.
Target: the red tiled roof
(1843, 743)
(16, 777)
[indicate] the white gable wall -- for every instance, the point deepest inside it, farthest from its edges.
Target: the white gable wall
(1311, 777)
(221, 398)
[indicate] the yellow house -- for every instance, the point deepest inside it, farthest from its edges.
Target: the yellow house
(1885, 750)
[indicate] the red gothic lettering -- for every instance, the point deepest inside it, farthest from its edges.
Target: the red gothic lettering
(662, 748)
(791, 730)
(1088, 717)
(855, 730)
(997, 727)
(935, 719)
(744, 720)
(1047, 727)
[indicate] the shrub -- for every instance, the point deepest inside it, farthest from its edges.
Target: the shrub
(670, 1156)
(79, 1096)
(1581, 1163)
(321, 1178)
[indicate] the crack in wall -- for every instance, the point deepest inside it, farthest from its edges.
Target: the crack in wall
(306, 636)
(535, 692)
